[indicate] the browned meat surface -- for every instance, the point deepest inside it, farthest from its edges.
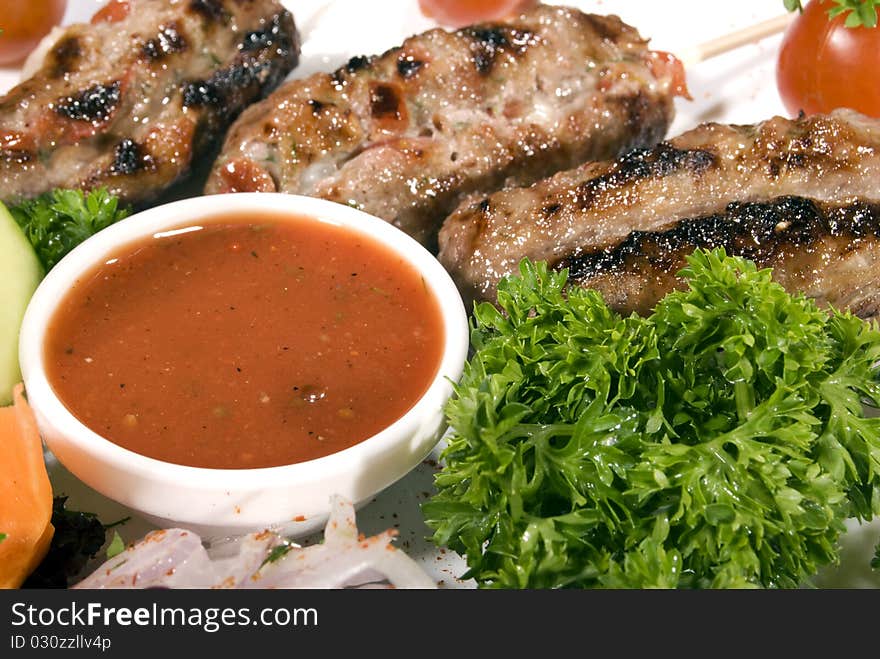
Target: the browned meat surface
(832, 158)
(405, 135)
(130, 103)
(830, 252)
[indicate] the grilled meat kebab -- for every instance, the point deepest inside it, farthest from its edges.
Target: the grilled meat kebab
(131, 99)
(828, 251)
(831, 158)
(407, 134)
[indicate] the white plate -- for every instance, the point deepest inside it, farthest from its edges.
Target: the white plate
(736, 87)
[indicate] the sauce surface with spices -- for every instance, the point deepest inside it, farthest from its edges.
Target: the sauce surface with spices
(245, 342)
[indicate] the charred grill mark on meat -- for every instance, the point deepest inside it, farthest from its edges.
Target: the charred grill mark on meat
(169, 40)
(275, 33)
(826, 251)
(833, 158)
(758, 231)
(487, 43)
(227, 89)
(129, 158)
(406, 135)
(215, 92)
(408, 66)
(547, 211)
(95, 104)
(131, 104)
(63, 57)
(660, 161)
(356, 63)
(212, 11)
(386, 102)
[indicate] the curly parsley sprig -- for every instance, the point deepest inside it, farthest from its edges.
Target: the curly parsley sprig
(859, 12)
(58, 221)
(719, 442)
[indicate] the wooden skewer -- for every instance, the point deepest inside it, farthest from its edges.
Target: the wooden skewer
(729, 42)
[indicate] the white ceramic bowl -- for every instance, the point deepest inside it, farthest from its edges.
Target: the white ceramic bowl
(216, 502)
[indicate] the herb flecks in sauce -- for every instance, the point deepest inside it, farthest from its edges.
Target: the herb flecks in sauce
(232, 361)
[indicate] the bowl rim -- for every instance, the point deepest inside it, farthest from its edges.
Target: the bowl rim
(207, 208)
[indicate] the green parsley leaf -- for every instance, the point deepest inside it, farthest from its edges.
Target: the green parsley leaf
(78, 537)
(720, 442)
(277, 553)
(58, 221)
(858, 12)
(116, 546)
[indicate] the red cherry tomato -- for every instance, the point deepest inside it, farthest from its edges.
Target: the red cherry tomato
(824, 65)
(663, 64)
(457, 13)
(113, 12)
(24, 23)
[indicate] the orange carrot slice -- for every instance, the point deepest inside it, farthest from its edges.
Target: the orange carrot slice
(25, 493)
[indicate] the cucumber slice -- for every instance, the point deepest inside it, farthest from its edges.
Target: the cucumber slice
(20, 272)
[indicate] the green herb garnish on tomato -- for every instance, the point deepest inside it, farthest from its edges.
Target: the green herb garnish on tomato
(856, 12)
(827, 56)
(720, 442)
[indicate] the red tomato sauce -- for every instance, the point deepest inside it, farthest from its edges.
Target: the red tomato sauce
(242, 345)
